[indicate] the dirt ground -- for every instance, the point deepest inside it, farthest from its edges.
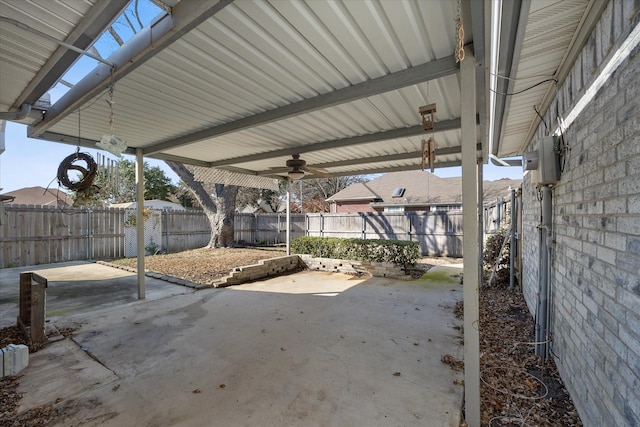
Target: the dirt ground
(205, 265)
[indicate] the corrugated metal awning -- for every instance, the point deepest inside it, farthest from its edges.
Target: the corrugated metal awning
(242, 86)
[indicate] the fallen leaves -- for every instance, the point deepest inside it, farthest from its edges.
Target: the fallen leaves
(456, 364)
(517, 387)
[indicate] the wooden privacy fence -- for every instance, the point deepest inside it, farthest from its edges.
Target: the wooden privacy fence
(439, 233)
(32, 235)
(267, 229)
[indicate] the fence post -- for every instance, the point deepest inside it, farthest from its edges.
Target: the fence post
(24, 313)
(364, 226)
(38, 307)
(254, 232)
(408, 218)
(165, 227)
(32, 303)
(89, 233)
(321, 226)
(279, 224)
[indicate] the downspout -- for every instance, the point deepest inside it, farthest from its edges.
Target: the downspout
(512, 242)
(543, 310)
(504, 162)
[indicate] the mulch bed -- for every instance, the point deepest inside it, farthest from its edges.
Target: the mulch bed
(204, 265)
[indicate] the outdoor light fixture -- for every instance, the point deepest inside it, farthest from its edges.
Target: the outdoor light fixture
(296, 173)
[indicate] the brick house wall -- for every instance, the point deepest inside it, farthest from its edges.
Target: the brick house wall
(595, 279)
(353, 207)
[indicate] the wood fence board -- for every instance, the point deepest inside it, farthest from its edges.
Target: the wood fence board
(36, 234)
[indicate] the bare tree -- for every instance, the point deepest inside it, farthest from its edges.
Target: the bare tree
(218, 205)
(315, 192)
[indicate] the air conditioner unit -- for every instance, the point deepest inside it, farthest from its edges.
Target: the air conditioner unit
(544, 163)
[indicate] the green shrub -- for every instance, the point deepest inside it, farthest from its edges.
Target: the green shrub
(398, 252)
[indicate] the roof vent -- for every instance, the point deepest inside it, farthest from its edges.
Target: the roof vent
(398, 192)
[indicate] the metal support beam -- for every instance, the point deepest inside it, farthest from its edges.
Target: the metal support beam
(142, 47)
(470, 241)
(411, 167)
(477, 11)
(512, 30)
(411, 76)
(74, 140)
(479, 180)
(443, 126)
(444, 151)
(140, 221)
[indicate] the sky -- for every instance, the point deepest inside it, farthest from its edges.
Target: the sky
(30, 162)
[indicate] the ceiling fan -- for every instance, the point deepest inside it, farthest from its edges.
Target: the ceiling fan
(296, 168)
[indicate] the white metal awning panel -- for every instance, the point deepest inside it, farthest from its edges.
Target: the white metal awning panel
(253, 58)
(24, 53)
(552, 31)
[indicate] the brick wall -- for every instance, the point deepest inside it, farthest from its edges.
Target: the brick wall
(596, 218)
(348, 207)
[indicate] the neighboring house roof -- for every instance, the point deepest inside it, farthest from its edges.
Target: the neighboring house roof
(153, 204)
(40, 196)
(420, 189)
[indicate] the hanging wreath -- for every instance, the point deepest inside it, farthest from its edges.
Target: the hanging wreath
(88, 171)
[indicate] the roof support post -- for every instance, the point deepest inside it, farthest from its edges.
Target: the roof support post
(470, 240)
(140, 220)
(288, 218)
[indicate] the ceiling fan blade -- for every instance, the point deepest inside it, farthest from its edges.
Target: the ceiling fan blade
(318, 171)
(278, 169)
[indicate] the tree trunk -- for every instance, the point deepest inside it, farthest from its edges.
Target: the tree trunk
(225, 200)
(218, 207)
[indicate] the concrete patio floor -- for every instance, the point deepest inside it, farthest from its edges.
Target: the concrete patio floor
(307, 349)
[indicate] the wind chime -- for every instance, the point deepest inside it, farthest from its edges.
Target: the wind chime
(429, 144)
(110, 142)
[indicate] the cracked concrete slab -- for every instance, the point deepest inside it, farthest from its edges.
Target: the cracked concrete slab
(306, 349)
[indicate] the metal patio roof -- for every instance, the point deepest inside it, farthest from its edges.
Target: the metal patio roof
(540, 40)
(244, 85)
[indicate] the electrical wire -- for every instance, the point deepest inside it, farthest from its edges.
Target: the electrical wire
(539, 76)
(524, 90)
(541, 118)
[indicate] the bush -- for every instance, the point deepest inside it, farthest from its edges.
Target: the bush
(490, 256)
(398, 252)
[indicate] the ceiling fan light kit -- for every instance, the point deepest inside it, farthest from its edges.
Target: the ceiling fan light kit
(297, 167)
(296, 174)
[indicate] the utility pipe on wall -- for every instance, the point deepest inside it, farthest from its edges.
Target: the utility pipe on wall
(512, 242)
(543, 314)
